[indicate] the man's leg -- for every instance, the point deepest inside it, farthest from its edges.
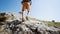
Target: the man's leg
(23, 8)
(28, 9)
(27, 15)
(22, 16)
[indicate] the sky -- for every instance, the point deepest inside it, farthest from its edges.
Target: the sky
(40, 9)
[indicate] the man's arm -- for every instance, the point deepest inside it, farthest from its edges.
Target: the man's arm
(30, 2)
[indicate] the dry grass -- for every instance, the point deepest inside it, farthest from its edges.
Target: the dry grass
(50, 23)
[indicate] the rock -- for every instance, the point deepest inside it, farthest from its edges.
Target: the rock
(16, 26)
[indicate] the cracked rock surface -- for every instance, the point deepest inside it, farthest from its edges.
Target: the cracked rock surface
(15, 26)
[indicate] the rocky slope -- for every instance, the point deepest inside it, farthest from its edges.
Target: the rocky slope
(14, 25)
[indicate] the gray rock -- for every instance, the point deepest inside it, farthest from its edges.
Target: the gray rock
(15, 26)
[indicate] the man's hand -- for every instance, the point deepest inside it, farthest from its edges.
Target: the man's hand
(30, 2)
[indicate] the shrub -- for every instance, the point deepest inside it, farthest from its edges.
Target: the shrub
(2, 18)
(53, 20)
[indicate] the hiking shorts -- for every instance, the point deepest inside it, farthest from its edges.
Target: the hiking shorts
(25, 6)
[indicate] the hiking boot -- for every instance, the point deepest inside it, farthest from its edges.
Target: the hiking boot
(23, 19)
(27, 18)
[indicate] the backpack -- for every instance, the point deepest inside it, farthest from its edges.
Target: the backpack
(29, 0)
(25, 1)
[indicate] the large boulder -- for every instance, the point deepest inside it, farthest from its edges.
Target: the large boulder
(16, 26)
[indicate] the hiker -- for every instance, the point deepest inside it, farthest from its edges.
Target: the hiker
(25, 5)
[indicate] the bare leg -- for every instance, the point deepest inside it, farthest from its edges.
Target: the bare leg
(22, 16)
(27, 15)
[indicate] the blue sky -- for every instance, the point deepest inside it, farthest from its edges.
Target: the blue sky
(40, 9)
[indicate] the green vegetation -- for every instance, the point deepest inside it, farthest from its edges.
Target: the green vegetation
(56, 24)
(2, 18)
(50, 23)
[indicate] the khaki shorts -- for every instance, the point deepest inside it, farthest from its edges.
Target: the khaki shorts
(25, 6)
